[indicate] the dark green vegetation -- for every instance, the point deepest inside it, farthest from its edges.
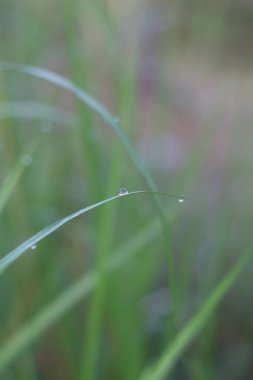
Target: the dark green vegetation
(153, 96)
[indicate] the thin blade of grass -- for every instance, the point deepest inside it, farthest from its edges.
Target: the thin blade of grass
(12, 256)
(74, 294)
(169, 357)
(91, 102)
(35, 110)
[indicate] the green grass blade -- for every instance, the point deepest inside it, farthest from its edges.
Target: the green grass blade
(169, 357)
(35, 110)
(70, 297)
(65, 84)
(91, 102)
(12, 256)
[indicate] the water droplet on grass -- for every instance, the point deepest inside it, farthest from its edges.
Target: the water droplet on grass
(123, 191)
(181, 200)
(26, 159)
(34, 246)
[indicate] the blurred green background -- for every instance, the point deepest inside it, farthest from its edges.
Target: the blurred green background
(178, 75)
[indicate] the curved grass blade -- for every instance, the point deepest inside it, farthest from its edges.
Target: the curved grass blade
(12, 256)
(74, 294)
(169, 357)
(91, 102)
(35, 110)
(63, 83)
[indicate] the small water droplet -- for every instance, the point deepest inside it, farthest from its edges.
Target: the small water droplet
(26, 159)
(34, 246)
(123, 191)
(46, 127)
(181, 200)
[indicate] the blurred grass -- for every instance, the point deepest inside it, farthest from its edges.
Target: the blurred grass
(178, 75)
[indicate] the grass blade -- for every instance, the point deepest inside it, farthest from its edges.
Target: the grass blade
(91, 102)
(35, 110)
(169, 357)
(12, 256)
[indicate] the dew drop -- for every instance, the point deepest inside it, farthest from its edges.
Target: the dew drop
(34, 246)
(26, 159)
(181, 200)
(123, 191)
